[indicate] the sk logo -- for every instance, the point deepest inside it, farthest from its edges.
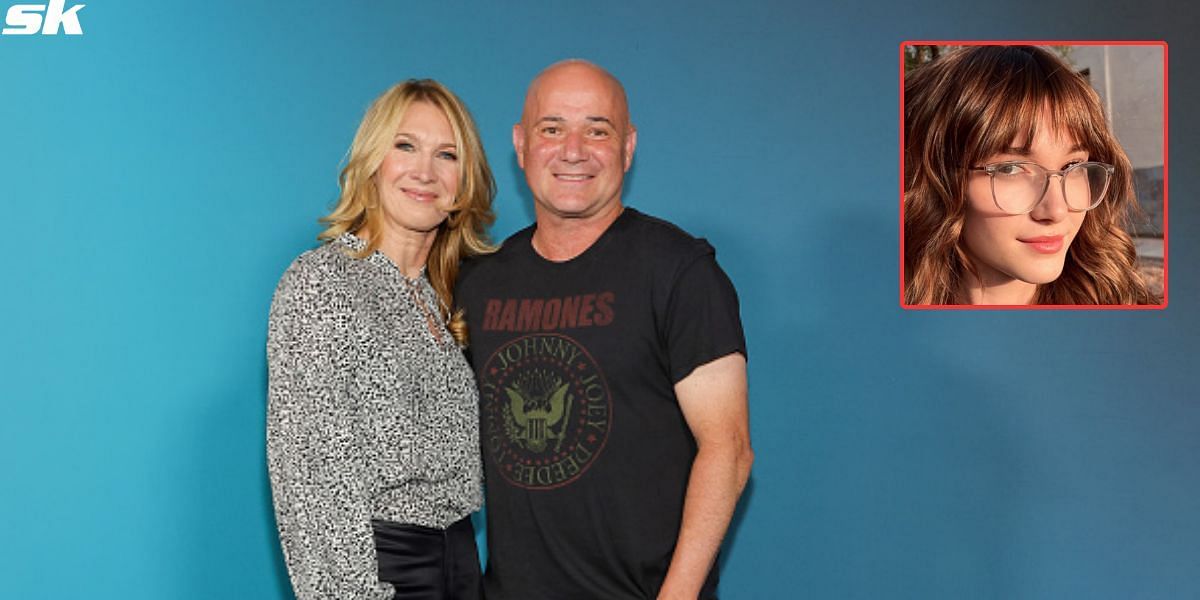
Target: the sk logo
(27, 19)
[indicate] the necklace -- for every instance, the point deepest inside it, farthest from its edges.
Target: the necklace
(430, 321)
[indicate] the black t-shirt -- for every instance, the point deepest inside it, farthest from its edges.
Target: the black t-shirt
(586, 453)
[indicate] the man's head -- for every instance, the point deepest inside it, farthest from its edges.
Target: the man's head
(575, 140)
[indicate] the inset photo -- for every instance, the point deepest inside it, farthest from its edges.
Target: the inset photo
(1034, 175)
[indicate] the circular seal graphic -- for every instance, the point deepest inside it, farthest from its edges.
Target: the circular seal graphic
(546, 410)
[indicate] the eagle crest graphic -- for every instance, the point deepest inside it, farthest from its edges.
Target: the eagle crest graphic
(537, 414)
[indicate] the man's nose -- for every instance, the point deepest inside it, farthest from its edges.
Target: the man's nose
(574, 149)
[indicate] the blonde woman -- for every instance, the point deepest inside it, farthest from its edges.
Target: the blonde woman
(1015, 187)
(372, 426)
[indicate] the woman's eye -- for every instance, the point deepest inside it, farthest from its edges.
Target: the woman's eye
(405, 146)
(1014, 169)
(447, 155)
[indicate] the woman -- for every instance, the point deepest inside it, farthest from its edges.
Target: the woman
(1015, 187)
(372, 427)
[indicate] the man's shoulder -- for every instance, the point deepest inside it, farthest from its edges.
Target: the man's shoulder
(664, 240)
(509, 251)
(656, 226)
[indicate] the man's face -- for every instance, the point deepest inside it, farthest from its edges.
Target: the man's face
(574, 142)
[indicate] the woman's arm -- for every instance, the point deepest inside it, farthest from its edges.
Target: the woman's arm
(313, 452)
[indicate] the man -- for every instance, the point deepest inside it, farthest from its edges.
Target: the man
(611, 364)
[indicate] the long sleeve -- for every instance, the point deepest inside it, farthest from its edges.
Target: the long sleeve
(315, 459)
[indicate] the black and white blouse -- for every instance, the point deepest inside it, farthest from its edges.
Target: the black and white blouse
(370, 416)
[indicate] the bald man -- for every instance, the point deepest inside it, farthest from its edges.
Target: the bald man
(611, 363)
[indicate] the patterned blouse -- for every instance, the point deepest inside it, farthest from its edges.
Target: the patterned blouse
(370, 416)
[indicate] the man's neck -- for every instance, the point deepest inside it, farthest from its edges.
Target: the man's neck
(559, 239)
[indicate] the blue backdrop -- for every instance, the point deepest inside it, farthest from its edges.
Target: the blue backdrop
(160, 171)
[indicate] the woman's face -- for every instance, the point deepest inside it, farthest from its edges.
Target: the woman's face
(1015, 253)
(419, 176)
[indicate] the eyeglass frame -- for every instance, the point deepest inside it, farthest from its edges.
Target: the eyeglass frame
(991, 171)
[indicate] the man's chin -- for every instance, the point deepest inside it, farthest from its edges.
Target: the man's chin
(572, 208)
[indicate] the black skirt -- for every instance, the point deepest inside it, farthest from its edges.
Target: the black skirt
(424, 563)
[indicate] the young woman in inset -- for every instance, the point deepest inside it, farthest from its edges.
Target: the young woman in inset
(1016, 190)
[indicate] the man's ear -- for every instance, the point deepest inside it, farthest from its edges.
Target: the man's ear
(519, 144)
(630, 146)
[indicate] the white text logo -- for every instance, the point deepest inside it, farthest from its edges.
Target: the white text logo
(27, 19)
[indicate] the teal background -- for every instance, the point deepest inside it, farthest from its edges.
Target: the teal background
(159, 173)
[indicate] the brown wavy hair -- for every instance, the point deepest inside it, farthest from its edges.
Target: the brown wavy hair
(463, 233)
(973, 103)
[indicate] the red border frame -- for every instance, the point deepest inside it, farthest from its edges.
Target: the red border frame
(1166, 178)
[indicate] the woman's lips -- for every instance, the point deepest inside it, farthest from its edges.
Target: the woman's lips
(419, 195)
(1044, 244)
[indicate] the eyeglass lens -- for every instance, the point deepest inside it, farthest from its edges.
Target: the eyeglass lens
(1018, 187)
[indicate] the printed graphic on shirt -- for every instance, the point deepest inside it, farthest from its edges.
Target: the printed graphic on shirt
(546, 410)
(548, 314)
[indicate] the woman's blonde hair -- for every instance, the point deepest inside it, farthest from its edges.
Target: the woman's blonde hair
(463, 233)
(972, 104)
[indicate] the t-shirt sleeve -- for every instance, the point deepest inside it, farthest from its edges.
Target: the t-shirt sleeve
(702, 321)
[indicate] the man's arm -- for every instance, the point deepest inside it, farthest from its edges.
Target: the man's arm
(713, 401)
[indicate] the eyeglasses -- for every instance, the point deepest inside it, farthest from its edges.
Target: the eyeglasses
(1018, 186)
